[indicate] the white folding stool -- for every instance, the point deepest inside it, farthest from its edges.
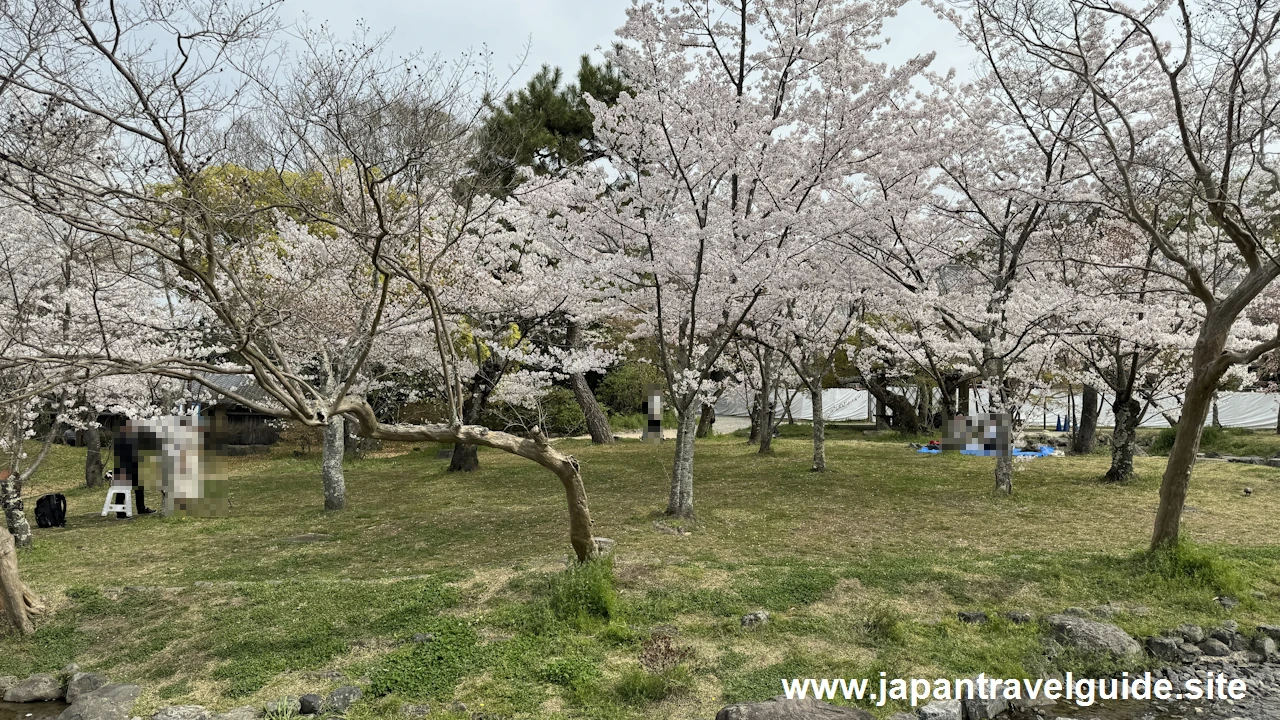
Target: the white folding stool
(125, 507)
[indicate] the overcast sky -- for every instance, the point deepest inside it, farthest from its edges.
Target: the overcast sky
(558, 31)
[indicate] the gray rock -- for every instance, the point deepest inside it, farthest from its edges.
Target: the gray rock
(6, 682)
(973, 617)
(1189, 652)
(42, 687)
(290, 705)
(182, 712)
(979, 709)
(1018, 617)
(1264, 645)
(417, 711)
(69, 669)
(310, 703)
(1215, 648)
(246, 712)
(342, 698)
(604, 545)
(1229, 626)
(1227, 602)
(109, 702)
(1164, 648)
(1078, 612)
(81, 683)
(1271, 631)
(901, 716)
(458, 707)
(1190, 633)
(779, 708)
(941, 710)
(1093, 637)
(424, 637)
(758, 617)
(1106, 612)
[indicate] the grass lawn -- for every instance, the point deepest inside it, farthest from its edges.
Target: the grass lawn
(862, 569)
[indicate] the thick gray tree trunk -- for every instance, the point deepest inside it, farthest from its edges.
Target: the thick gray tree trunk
(335, 487)
(597, 421)
(92, 457)
(1124, 438)
(1206, 371)
(819, 432)
(1086, 437)
(680, 501)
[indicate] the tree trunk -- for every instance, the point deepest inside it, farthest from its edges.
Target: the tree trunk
(819, 432)
(904, 412)
(92, 457)
(767, 417)
(1004, 474)
(706, 420)
(962, 398)
(1127, 411)
(466, 458)
(19, 604)
(15, 517)
(1086, 436)
(680, 501)
(597, 421)
(1195, 408)
(753, 435)
(335, 487)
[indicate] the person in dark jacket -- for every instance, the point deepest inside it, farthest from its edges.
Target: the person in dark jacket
(128, 446)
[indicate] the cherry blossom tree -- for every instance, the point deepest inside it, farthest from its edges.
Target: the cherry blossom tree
(375, 164)
(1181, 111)
(741, 114)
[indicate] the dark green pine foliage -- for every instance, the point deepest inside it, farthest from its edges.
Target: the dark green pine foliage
(545, 125)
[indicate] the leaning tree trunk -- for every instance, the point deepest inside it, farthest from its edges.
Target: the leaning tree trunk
(1205, 374)
(705, 420)
(92, 457)
(680, 500)
(819, 432)
(1086, 437)
(904, 411)
(16, 599)
(1128, 413)
(465, 457)
(597, 421)
(335, 486)
(536, 448)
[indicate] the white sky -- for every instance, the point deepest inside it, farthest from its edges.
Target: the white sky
(557, 32)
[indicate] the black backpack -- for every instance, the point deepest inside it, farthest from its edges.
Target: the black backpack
(51, 510)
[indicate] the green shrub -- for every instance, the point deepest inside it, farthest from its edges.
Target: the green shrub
(584, 593)
(622, 389)
(562, 412)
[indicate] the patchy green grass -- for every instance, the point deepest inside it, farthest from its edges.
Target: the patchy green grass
(862, 569)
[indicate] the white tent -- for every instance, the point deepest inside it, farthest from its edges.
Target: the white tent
(1257, 411)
